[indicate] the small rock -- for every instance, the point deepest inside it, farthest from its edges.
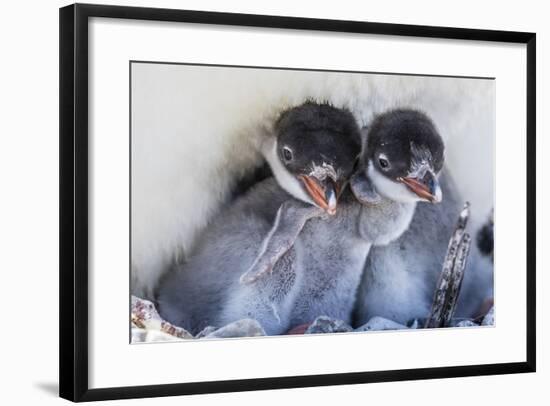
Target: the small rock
(463, 323)
(325, 324)
(240, 328)
(489, 319)
(145, 316)
(205, 331)
(380, 323)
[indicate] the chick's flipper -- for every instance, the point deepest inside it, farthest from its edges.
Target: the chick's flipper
(291, 218)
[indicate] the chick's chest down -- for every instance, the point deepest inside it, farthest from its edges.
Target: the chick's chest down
(330, 254)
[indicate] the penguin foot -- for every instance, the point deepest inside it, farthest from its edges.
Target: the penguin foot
(300, 329)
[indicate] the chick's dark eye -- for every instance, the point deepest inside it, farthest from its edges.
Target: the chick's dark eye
(383, 163)
(287, 154)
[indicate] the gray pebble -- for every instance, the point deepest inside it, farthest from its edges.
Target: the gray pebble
(240, 328)
(380, 323)
(325, 324)
(464, 323)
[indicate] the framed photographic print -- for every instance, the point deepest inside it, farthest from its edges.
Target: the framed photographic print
(256, 202)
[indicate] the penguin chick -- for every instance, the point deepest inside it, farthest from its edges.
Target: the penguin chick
(309, 182)
(312, 152)
(400, 278)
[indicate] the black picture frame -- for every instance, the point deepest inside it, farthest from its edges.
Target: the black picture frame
(73, 254)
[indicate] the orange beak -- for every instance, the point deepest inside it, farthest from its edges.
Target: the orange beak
(425, 189)
(323, 193)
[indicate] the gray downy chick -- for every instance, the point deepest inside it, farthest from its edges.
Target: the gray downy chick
(400, 278)
(311, 152)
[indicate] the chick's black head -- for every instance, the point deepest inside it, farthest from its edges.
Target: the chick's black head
(399, 138)
(403, 146)
(314, 134)
(318, 144)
